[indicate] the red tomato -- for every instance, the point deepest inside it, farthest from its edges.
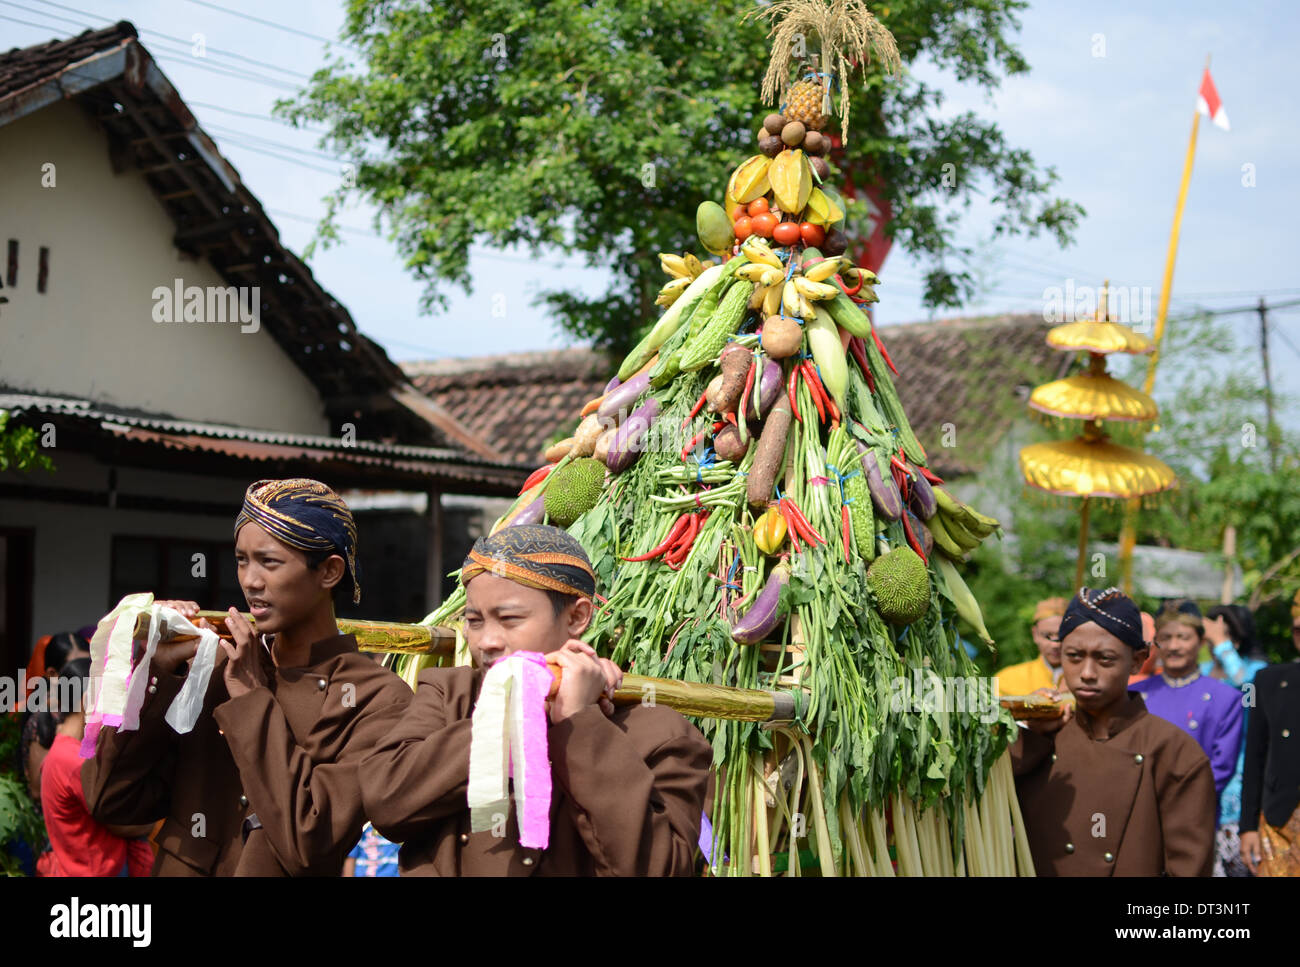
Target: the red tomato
(744, 227)
(758, 206)
(763, 224)
(735, 212)
(787, 233)
(812, 234)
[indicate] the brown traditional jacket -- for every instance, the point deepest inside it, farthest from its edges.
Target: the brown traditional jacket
(264, 784)
(627, 794)
(1139, 803)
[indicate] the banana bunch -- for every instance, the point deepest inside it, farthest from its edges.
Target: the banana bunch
(683, 270)
(778, 289)
(864, 279)
(957, 527)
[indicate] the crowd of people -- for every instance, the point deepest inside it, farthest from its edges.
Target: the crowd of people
(1173, 753)
(1175, 727)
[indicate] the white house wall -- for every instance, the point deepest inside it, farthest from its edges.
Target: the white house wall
(92, 333)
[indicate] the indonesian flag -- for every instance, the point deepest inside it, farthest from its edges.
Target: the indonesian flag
(1208, 103)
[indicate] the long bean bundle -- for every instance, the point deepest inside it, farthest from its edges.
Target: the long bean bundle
(771, 522)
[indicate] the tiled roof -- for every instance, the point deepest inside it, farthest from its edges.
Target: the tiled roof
(973, 373)
(515, 402)
(22, 67)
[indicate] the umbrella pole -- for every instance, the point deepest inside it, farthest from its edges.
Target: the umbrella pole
(1083, 543)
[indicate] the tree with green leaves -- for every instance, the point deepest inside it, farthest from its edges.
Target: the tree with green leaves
(598, 127)
(20, 447)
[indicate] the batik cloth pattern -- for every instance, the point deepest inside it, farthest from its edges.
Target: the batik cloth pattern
(534, 555)
(307, 516)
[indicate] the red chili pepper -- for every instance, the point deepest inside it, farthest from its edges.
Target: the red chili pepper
(934, 478)
(814, 387)
(859, 352)
(846, 290)
(690, 445)
(791, 392)
(749, 382)
(859, 347)
(674, 533)
(902, 481)
(699, 405)
(834, 410)
(806, 530)
(848, 530)
(883, 351)
(913, 541)
(791, 530)
(536, 477)
(678, 555)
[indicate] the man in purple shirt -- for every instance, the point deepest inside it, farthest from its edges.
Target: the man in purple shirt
(1208, 710)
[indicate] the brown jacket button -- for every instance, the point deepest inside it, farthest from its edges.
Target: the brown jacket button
(243, 800)
(528, 861)
(464, 837)
(321, 684)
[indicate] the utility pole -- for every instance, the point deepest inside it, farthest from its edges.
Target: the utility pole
(1268, 385)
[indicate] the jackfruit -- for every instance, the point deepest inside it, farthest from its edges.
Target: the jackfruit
(901, 586)
(573, 490)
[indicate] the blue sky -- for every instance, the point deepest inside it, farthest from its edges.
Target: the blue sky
(1114, 126)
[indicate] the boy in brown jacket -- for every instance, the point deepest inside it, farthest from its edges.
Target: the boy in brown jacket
(628, 783)
(265, 784)
(1112, 790)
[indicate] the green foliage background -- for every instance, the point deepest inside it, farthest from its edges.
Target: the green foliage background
(598, 127)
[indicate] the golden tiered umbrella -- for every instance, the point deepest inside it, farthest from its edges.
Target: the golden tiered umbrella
(1090, 465)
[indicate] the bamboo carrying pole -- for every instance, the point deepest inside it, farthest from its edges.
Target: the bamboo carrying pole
(689, 698)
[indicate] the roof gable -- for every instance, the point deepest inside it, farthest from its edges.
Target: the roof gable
(112, 77)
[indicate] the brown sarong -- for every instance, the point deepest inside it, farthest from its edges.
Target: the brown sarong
(1280, 847)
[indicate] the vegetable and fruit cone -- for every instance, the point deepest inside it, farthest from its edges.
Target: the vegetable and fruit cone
(760, 514)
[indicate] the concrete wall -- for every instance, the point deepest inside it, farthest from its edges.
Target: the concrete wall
(92, 333)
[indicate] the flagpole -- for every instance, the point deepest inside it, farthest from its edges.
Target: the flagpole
(1128, 533)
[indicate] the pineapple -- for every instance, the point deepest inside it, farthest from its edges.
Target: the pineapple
(804, 102)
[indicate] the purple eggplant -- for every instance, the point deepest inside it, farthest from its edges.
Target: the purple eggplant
(762, 617)
(612, 385)
(532, 514)
(618, 403)
(628, 441)
(769, 388)
(884, 492)
(922, 501)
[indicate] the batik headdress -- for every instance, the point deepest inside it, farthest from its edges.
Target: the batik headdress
(534, 555)
(307, 516)
(1112, 609)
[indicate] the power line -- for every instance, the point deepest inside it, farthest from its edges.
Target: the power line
(272, 143)
(236, 143)
(1285, 338)
(160, 52)
(256, 117)
(149, 30)
(272, 23)
(188, 60)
